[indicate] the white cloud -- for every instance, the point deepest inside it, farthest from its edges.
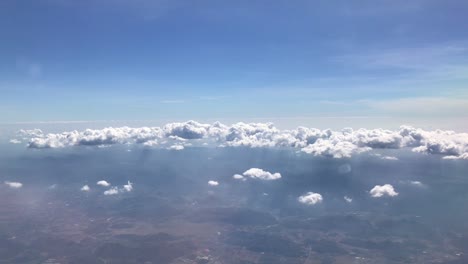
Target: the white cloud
(151, 143)
(328, 143)
(238, 177)
(176, 147)
(116, 190)
(310, 198)
(389, 158)
(14, 185)
(335, 149)
(462, 156)
(261, 174)
(213, 183)
(85, 188)
(383, 190)
(128, 187)
(416, 183)
(15, 141)
(345, 168)
(112, 191)
(348, 199)
(187, 130)
(103, 183)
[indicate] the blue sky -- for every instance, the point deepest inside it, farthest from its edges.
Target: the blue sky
(280, 61)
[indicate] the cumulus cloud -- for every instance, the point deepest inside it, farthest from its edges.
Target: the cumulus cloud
(112, 191)
(310, 198)
(213, 183)
(336, 144)
(256, 173)
(383, 190)
(103, 183)
(333, 148)
(187, 130)
(348, 199)
(13, 185)
(116, 190)
(128, 187)
(463, 156)
(238, 177)
(85, 188)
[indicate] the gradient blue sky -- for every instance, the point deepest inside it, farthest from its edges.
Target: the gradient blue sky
(381, 63)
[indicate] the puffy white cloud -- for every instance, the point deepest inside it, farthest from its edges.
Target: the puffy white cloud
(383, 190)
(85, 188)
(261, 174)
(151, 143)
(238, 177)
(213, 183)
(310, 198)
(176, 147)
(112, 191)
(30, 133)
(348, 199)
(103, 183)
(116, 190)
(128, 187)
(389, 158)
(336, 144)
(13, 185)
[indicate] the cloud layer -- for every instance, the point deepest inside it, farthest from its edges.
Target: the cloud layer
(328, 143)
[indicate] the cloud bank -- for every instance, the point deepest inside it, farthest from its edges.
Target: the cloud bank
(327, 143)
